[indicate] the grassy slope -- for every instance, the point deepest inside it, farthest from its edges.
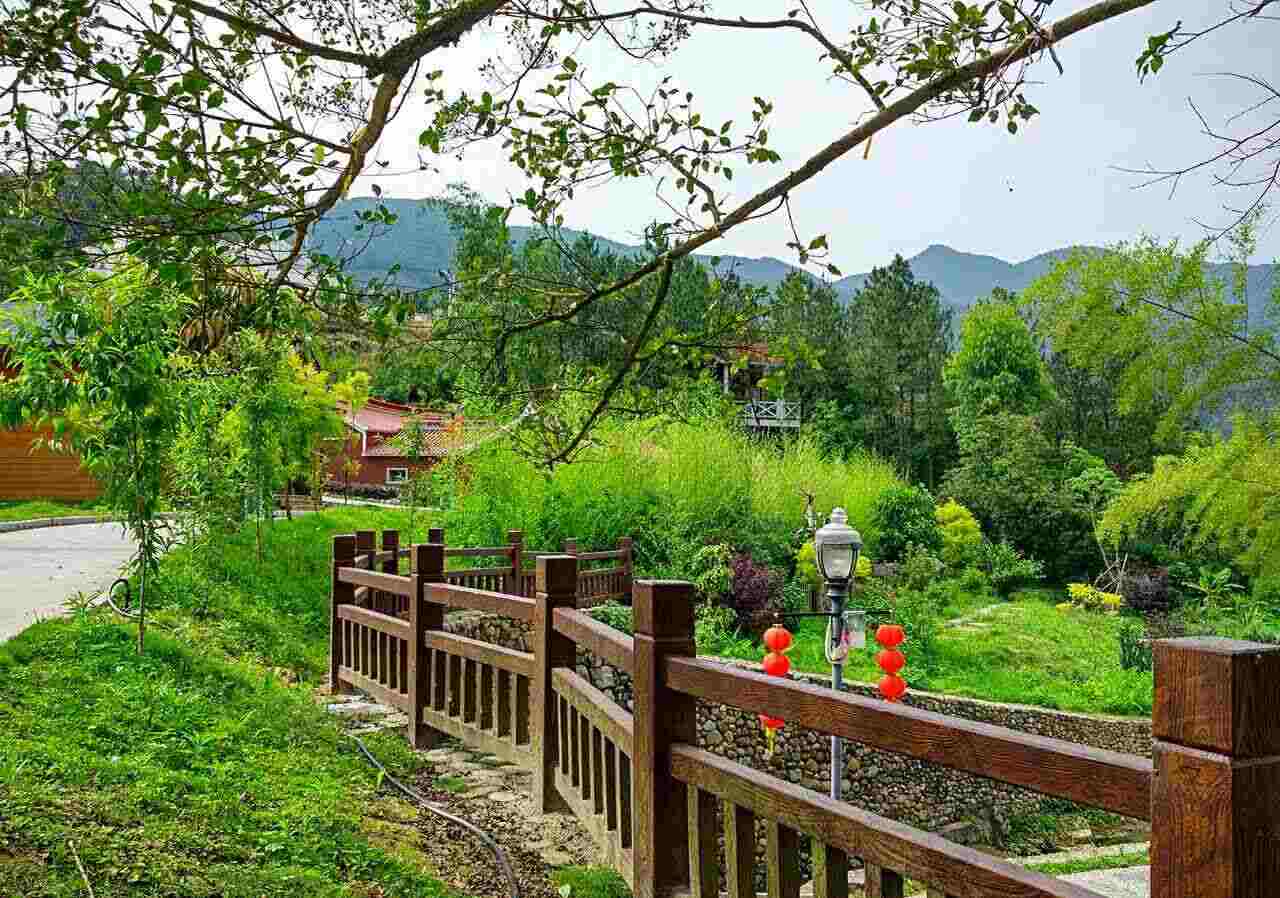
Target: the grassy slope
(1031, 653)
(192, 770)
(31, 509)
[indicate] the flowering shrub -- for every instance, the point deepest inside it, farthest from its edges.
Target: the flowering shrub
(1085, 595)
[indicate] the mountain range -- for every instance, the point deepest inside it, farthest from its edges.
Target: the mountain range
(422, 243)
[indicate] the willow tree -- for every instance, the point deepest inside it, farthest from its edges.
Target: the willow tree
(246, 122)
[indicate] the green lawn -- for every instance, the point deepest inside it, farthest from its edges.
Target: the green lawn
(196, 769)
(31, 509)
(1028, 652)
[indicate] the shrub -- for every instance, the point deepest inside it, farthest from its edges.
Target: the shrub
(614, 614)
(807, 566)
(905, 515)
(1147, 590)
(961, 535)
(1087, 596)
(756, 592)
(920, 613)
(974, 580)
(1135, 650)
(713, 627)
(363, 491)
(1007, 568)
(920, 568)
(1266, 592)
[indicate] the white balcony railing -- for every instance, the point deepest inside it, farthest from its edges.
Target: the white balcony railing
(770, 413)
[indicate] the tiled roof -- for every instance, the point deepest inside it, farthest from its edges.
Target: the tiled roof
(380, 416)
(438, 442)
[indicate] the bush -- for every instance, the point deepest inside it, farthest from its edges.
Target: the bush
(920, 568)
(1089, 597)
(1147, 590)
(920, 613)
(614, 614)
(1266, 593)
(1007, 568)
(363, 491)
(961, 535)
(713, 626)
(756, 593)
(807, 566)
(905, 515)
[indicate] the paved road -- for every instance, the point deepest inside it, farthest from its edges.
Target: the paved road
(39, 569)
(1129, 882)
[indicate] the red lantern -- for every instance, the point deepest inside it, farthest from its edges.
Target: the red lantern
(893, 687)
(890, 635)
(891, 660)
(776, 664)
(777, 638)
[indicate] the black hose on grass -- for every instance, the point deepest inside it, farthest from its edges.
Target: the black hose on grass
(504, 863)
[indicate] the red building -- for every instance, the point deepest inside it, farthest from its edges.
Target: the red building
(379, 462)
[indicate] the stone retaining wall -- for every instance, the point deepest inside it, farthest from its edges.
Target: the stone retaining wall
(916, 792)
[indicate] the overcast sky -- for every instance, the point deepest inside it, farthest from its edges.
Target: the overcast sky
(973, 187)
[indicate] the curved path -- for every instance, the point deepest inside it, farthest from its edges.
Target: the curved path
(39, 569)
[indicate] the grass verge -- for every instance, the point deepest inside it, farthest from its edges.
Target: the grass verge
(34, 509)
(195, 769)
(1089, 864)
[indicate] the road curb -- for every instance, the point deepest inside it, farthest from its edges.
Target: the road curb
(69, 521)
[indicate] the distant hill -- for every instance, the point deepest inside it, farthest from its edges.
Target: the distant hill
(422, 243)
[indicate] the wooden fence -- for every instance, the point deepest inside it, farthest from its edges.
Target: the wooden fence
(1212, 792)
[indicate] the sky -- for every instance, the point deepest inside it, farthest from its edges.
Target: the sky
(976, 188)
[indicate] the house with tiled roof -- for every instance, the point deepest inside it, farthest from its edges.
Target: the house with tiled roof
(740, 371)
(380, 459)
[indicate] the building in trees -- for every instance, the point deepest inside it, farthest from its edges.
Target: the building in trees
(371, 454)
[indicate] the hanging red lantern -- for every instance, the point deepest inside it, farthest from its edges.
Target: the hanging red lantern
(777, 640)
(776, 664)
(891, 660)
(890, 635)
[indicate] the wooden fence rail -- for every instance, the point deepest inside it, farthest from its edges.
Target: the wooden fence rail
(674, 819)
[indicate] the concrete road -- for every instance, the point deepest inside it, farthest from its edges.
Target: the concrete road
(1129, 882)
(39, 569)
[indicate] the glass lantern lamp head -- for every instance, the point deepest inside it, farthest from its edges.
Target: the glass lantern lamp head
(837, 546)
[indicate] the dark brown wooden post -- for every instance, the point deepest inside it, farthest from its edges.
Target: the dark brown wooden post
(366, 544)
(625, 544)
(344, 553)
(571, 546)
(555, 587)
(515, 539)
(391, 543)
(428, 568)
(435, 535)
(1215, 799)
(663, 620)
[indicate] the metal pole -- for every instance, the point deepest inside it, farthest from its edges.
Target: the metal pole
(837, 594)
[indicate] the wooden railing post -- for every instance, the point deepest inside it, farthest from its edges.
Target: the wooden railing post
(391, 543)
(571, 546)
(1215, 799)
(663, 621)
(435, 535)
(515, 539)
(428, 568)
(344, 553)
(556, 587)
(366, 543)
(625, 544)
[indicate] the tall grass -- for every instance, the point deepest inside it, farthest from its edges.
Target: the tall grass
(668, 486)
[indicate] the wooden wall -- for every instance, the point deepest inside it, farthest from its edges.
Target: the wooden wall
(40, 474)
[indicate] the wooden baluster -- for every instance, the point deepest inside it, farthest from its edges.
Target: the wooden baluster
(457, 686)
(597, 770)
(487, 695)
(435, 535)
(882, 883)
(557, 580)
(439, 681)
(503, 710)
(610, 786)
(522, 717)
(427, 564)
(515, 539)
(704, 869)
(626, 800)
(470, 683)
(344, 551)
(1215, 799)
(739, 851)
(563, 745)
(584, 750)
(782, 861)
(831, 871)
(575, 748)
(663, 627)
(383, 655)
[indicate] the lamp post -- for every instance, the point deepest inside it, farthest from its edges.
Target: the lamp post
(837, 547)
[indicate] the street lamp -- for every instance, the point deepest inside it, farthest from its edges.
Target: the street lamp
(837, 546)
